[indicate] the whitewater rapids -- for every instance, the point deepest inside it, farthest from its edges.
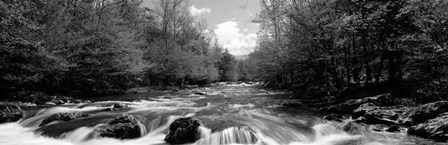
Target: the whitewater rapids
(230, 114)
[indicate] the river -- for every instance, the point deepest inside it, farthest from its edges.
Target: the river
(230, 114)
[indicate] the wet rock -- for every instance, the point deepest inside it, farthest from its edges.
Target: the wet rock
(183, 130)
(58, 102)
(393, 128)
(436, 129)
(77, 101)
(352, 128)
(63, 117)
(10, 113)
(61, 99)
(363, 109)
(119, 106)
(425, 112)
(350, 105)
(371, 114)
(37, 98)
(334, 117)
(200, 93)
(122, 127)
(379, 127)
(293, 104)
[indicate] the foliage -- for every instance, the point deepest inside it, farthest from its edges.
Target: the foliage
(322, 47)
(101, 47)
(227, 67)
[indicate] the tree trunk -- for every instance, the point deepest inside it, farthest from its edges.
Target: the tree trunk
(380, 69)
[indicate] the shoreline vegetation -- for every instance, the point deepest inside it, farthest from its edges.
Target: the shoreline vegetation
(380, 63)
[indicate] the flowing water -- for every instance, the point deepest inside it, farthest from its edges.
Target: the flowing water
(230, 114)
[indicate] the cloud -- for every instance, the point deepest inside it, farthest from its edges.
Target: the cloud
(236, 41)
(199, 11)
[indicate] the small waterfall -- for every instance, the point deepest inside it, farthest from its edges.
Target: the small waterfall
(324, 130)
(330, 134)
(232, 135)
(79, 135)
(225, 117)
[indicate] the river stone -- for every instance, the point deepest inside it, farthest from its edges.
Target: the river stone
(183, 130)
(200, 93)
(334, 117)
(119, 106)
(122, 127)
(10, 113)
(393, 128)
(425, 112)
(378, 127)
(369, 113)
(350, 105)
(58, 102)
(63, 117)
(436, 129)
(77, 101)
(352, 128)
(363, 109)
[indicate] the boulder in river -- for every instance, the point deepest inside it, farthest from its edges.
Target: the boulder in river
(183, 130)
(393, 128)
(334, 117)
(58, 102)
(200, 93)
(119, 106)
(436, 129)
(350, 105)
(10, 113)
(369, 113)
(122, 127)
(352, 128)
(425, 112)
(378, 127)
(37, 98)
(77, 101)
(63, 117)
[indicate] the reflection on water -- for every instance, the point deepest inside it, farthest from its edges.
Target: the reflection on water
(230, 114)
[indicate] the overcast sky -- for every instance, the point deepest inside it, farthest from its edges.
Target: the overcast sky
(229, 20)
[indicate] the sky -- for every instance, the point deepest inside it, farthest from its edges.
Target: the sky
(230, 20)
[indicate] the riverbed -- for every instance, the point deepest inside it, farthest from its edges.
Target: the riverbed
(229, 114)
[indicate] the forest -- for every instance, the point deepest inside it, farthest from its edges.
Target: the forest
(103, 47)
(343, 48)
(323, 72)
(315, 48)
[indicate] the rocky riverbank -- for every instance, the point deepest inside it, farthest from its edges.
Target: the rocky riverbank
(381, 112)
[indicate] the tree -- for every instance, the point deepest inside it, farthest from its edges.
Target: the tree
(325, 46)
(24, 62)
(227, 67)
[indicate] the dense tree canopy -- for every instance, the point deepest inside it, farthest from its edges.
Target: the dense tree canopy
(324, 46)
(91, 47)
